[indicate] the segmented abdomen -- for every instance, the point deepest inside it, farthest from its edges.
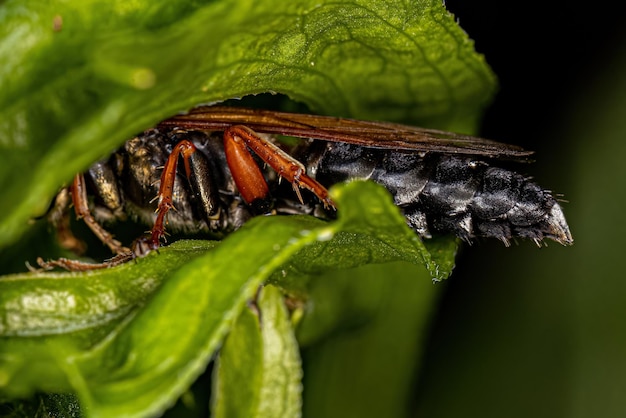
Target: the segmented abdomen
(441, 193)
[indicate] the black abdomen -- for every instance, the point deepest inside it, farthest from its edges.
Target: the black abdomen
(442, 193)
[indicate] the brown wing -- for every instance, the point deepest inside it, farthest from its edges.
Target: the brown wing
(364, 133)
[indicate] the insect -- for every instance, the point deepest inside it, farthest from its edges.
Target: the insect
(231, 169)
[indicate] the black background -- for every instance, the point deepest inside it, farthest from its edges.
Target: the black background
(543, 54)
(548, 56)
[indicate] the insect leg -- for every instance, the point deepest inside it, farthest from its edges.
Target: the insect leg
(78, 191)
(166, 187)
(246, 173)
(60, 220)
(236, 138)
(75, 265)
(104, 182)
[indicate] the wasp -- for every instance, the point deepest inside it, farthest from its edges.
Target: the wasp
(232, 164)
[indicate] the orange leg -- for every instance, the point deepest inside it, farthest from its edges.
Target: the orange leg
(285, 166)
(166, 188)
(74, 265)
(78, 191)
(246, 173)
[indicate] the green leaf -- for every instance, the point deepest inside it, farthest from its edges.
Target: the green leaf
(240, 369)
(259, 370)
(44, 304)
(131, 348)
(80, 77)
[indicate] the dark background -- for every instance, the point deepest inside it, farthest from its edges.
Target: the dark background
(544, 54)
(541, 332)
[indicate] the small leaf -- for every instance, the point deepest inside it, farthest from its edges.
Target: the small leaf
(281, 389)
(259, 369)
(239, 369)
(370, 229)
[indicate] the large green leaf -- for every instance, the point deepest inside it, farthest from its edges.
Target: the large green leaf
(129, 340)
(79, 77)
